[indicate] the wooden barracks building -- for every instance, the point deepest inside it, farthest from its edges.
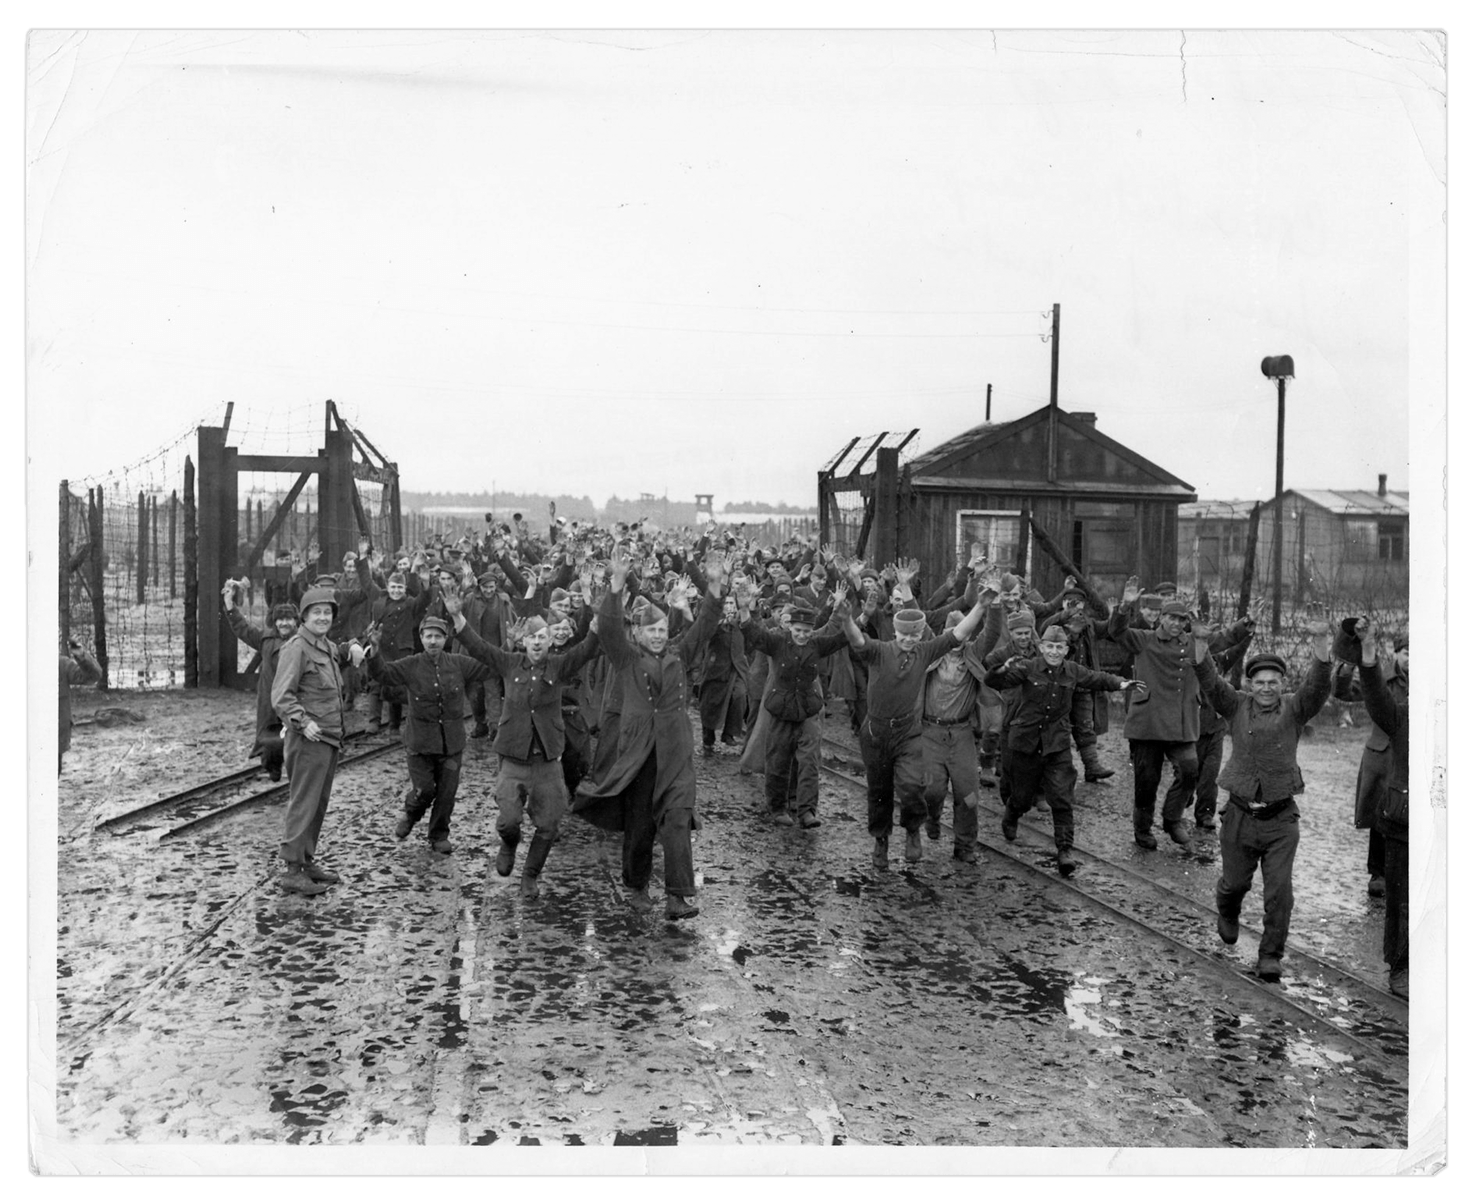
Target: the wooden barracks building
(1102, 506)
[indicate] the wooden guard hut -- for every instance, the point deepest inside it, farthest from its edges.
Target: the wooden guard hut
(1032, 491)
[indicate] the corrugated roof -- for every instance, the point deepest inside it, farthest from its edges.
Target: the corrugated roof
(1358, 503)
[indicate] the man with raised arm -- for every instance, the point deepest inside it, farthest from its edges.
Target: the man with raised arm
(1260, 822)
(890, 737)
(649, 791)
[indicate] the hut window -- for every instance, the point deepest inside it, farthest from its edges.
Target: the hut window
(1361, 539)
(1392, 541)
(999, 531)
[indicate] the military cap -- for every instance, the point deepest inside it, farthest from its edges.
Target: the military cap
(650, 614)
(1264, 662)
(1022, 619)
(909, 620)
(1175, 608)
(435, 623)
(1054, 633)
(801, 614)
(1151, 600)
(285, 612)
(532, 625)
(1009, 582)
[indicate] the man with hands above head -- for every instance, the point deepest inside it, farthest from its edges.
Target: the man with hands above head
(1260, 821)
(649, 790)
(1039, 730)
(890, 736)
(1390, 710)
(1164, 719)
(530, 738)
(793, 698)
(435, 683)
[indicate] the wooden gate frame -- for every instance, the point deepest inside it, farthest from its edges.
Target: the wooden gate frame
(885, 517)
(340, 517)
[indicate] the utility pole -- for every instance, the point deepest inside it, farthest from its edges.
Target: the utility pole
(988, 403)
(1053, 406)
(1279, 368)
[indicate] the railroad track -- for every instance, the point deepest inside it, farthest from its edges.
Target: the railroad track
(205, 803)
(1356, 1017)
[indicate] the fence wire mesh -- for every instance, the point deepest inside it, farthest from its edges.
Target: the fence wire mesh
(136, 586)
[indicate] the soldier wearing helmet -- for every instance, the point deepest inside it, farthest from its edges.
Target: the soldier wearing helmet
(308, 697)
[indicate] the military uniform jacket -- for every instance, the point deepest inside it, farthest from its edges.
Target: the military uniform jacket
(654, 698)
(1264, 743)
(399, 620)
(1390, 710)
(794, 694)
(533, 694)
(308, 685)
(1039, 709)
(1172, 710)
(435, 684)
(268, 646)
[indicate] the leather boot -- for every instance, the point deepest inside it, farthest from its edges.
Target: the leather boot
(506, 856)
(536, 859)
(1094, 770)
(1144, 818)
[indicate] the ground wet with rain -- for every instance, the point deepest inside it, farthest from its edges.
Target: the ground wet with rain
(814, 1000)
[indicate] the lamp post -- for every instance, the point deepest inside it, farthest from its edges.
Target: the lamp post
(1279, 368)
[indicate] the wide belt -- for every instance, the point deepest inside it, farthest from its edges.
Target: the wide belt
(948, 724)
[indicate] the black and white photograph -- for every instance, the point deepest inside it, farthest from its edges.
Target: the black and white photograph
(736, 601)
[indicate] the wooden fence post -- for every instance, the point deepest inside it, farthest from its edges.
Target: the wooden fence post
(141, 563)
(173, 559)
(153, 536)
(191, 581)
(99, 606)
(64, 562)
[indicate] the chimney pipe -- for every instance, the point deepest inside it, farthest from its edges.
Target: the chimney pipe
(1382, 486)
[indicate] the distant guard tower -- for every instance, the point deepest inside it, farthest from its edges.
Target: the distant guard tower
(704, 506)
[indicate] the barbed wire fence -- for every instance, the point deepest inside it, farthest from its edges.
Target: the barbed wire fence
(125, 545)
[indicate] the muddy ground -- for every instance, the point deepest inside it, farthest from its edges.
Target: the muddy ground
(815, 1000)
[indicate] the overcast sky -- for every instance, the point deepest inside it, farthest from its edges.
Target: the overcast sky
(677, 262)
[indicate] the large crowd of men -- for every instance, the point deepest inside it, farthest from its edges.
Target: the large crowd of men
(583, 652)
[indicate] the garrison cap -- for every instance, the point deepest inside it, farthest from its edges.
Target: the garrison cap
(650, 614)
(1054, 633)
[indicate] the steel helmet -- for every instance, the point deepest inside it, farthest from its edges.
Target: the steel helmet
(319, 595)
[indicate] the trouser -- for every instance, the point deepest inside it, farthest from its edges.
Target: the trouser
(1004, 770)
(1209, 766)
(1052, 777)
(577, 749)
(350, 685)
(311, 766)
(948, 758)
(1375, 860)
(435, 779)
(729, 721)
(1081, 716)
(894, 764)
(532, 788)
(858, 712)
(478, 703)
(1149, 759)
(1272, 842)
(641, 828)
(1397, 945)
(376, 705)
(273, 753)
(792, 766)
